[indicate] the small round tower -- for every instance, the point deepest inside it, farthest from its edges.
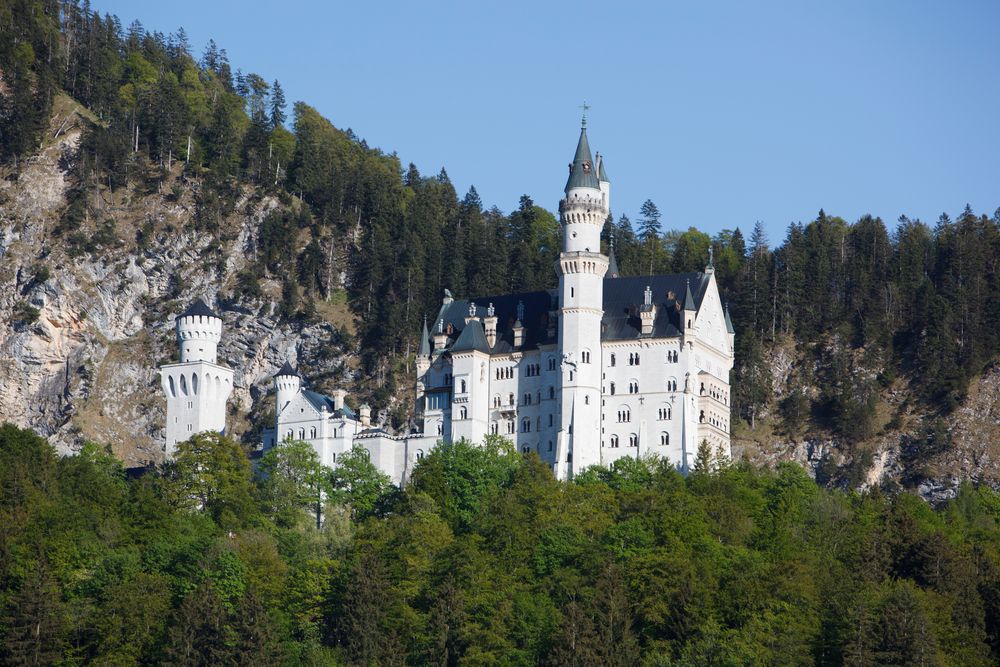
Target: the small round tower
(287, 383)
(199, 330)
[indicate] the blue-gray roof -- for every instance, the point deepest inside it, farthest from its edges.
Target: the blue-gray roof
(199, 307)
(287, 369)
(623, 299)
(581, 172)
(472, 338)
(319, 401)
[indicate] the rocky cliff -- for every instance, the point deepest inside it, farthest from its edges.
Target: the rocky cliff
(82, 333)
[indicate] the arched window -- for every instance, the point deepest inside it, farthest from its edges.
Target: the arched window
(463, 413)
(552, 392)
(526, 449)
(420, 455)
(550, 419)
(170, 383)
(614, 442)
(194, 383)
(462, 384)
(586, 400)
(312, 432)
(494, 428)
(184, 385)
(510, 399)
(663, 413)
(633, 440)
(550, 445)
(611, 360)
(701, 416)
(624, 414)
(633, 386)
(302, 434)
(585, 356)
(612, 388)
(526, 425)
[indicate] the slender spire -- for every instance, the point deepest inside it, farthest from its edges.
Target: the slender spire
(425, 341)
(581, 171)
(688, 299)
(612, 261)
(601, 174)
(729, 321)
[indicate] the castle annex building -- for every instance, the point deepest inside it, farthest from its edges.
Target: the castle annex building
(602, 367)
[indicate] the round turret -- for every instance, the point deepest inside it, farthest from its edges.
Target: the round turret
(199, 330)
(287, 384)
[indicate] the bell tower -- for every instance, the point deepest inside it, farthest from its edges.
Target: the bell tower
(582, 214)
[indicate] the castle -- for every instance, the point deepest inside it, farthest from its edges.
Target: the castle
(602, 367)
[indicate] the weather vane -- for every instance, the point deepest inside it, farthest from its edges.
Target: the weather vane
(586, 108)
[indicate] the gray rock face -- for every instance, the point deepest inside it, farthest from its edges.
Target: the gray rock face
(86, 368)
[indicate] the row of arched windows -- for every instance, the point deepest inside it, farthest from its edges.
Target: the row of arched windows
(212, 385)
(633, 441)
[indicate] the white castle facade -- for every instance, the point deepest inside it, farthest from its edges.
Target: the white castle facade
(600, 368)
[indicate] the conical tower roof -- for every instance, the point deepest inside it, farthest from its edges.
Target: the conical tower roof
(613, 263)
(199, 307)
(688, 298)
(601, 174)
(287, 370)
(425, 341)
(729, 321)
(581, 172)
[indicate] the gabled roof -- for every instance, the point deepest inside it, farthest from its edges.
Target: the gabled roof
(623, 300)
(472, 338)
(319, 401)
(199, 308)
(581, 172)
(288, 370)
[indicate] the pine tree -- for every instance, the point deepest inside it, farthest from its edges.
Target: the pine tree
(278, 105)
(649, 221)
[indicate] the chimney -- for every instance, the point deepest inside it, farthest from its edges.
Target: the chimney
(490, 324)
(647, 313)
(365, 413)
(338, 399)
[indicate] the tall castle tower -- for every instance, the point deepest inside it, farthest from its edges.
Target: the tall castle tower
(581, 269)
(197, 388)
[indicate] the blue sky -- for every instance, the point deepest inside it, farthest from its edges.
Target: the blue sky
(723, 113)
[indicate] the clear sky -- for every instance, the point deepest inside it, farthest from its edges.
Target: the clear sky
(722, 113)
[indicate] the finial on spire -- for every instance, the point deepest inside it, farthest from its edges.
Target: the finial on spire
(520, 311)
(711, 257)
(648, 296)
(441, 325)
(586, 108)
(472, 309)
(490, 310)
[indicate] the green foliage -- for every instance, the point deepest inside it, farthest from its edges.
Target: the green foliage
(461, 477)
(628, 565)
(291, 480)
(357, 483)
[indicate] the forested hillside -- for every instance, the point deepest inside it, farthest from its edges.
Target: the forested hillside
(485, 559)
(857, 341)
